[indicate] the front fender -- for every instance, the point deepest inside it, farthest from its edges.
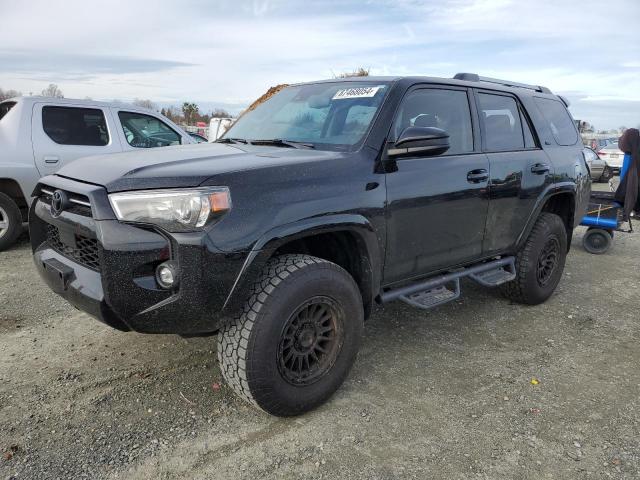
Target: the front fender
(271, 241)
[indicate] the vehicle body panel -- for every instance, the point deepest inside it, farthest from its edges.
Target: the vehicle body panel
(27, 153)
(612, 155)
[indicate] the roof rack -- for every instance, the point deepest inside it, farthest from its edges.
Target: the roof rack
(474, 77)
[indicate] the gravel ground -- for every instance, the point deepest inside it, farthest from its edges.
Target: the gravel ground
(440, 394)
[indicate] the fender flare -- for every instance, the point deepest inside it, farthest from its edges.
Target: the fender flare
(551, 191)
(269, 242)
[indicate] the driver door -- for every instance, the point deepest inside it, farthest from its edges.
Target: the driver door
(436, 206)
(140, 130)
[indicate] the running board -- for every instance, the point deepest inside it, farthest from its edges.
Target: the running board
(433, 292)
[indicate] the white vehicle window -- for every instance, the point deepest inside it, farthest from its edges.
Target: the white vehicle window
(75, 126)
(146, 131)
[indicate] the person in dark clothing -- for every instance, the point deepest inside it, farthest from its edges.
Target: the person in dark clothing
(628, 192)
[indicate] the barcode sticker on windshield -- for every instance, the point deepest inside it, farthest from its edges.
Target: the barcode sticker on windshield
(359, 92)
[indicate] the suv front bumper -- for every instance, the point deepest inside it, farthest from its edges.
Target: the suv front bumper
(107, 268)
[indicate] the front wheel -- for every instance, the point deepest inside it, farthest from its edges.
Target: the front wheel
(297, 337)
(10, 221)
(540, 262)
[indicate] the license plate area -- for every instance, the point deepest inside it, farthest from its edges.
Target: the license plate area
(58, 274)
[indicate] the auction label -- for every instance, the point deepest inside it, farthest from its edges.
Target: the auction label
(358, 92)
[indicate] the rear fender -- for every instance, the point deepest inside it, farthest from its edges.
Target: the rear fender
(548, 193)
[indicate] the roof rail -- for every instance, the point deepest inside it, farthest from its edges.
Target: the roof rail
(474, 77)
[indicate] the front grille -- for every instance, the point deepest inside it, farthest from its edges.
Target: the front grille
(78, 204)
(85, 251)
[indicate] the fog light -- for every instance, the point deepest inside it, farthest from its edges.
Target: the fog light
(167, 275)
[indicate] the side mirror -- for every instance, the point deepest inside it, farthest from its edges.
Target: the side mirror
(420, 142)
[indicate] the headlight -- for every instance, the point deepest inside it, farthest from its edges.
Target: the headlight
(174, 210)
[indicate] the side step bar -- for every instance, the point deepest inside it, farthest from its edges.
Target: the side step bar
(433, 292)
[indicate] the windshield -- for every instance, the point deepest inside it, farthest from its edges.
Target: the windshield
(330, 115)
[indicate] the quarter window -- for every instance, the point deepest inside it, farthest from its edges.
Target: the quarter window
(145, 131)
(562, 127)
(439, 108)
(75, 126)
(502, 123)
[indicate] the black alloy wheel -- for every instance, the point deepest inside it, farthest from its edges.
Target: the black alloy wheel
(311, 341)
(548, 261)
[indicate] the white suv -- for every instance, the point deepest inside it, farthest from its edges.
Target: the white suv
(38, 135)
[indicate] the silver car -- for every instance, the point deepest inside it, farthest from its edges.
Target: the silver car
(601, 171)
(613, 156)
(38, 135)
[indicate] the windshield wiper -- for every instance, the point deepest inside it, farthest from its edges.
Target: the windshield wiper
(278, 142)
(231, 140)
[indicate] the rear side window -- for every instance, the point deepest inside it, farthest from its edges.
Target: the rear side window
(5, 107)
(559, 120)
(145, 131)
(502, 123)
(75, 126)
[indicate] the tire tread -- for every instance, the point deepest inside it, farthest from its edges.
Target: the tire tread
(233, 338)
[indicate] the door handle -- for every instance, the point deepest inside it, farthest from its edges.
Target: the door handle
(477, 176)
(540, 168)
(51, 159)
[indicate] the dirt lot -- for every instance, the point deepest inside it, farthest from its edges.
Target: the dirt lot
(443, 394)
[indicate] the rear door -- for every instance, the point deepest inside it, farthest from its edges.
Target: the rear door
(436, 206)
(520, 169)
(62, 133)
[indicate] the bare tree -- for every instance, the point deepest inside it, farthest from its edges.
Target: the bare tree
(4, 94)
(52, 91)
(358, 72)
(220, 113)
(139, 102)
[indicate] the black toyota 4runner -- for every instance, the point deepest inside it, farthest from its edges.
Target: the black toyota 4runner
(326, 199)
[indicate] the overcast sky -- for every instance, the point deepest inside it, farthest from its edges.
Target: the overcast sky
(227, 53)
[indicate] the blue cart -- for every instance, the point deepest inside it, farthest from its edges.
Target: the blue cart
(604, 217)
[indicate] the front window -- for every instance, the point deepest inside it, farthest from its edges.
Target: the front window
(145, 131)
(326, 115)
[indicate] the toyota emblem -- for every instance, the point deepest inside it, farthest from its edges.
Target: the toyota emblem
(59, 201)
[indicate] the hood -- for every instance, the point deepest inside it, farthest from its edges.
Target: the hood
(180, 166)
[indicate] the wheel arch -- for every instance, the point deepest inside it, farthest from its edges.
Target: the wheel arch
(559, 201)
(11, 188)
(348, 240)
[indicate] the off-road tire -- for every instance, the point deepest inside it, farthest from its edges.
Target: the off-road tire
(10, 234)
(249, 349)
(527, 287)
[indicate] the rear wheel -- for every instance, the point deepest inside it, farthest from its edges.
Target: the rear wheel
(297, 337)
(540, 263)
(10, 221)
(597, 241)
